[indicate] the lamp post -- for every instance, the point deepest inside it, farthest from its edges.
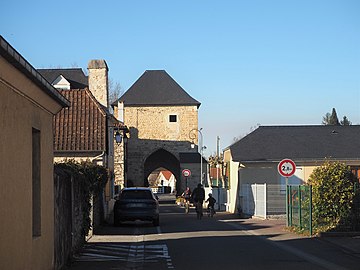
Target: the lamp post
(201, 149)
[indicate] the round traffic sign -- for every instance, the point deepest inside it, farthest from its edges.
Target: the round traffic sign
(186, 172)
(286, 167)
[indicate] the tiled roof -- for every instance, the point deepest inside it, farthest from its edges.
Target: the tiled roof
(75, 76)
(156, 87)
(82, 126)
(166, 174)
(274, 143)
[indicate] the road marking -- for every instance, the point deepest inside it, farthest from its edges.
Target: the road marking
(135, 255)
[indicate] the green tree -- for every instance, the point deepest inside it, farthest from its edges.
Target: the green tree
(332, 196)
(331, 119)
(334, 118)
(345, 121)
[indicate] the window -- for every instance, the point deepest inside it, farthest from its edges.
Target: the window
(136, 194)
(173, 118)
(36, 183)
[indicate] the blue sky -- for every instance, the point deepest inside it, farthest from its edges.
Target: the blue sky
(247, 62)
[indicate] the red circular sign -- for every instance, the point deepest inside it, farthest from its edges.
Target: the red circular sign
(286, 167)
(186, 172)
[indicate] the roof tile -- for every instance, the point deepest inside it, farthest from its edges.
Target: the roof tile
(82, 126)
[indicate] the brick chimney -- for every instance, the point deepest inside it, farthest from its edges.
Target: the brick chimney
(98, 81)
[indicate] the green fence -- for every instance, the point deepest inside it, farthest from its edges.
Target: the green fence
(299, 207)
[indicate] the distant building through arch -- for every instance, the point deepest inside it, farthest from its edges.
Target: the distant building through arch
(162, 159)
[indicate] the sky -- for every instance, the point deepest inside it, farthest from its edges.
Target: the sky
(249, 63)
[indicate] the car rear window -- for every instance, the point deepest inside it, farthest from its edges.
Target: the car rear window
(136, 194)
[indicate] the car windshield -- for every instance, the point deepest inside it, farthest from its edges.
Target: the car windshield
(136, 194)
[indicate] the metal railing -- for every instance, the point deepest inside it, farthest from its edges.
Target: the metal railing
(299, 207)
(299, 210)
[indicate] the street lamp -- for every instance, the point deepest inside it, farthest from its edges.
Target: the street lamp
(120, 152)
(118, 137)
(193, 137)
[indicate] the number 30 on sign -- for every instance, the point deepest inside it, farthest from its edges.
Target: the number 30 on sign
(286, 167)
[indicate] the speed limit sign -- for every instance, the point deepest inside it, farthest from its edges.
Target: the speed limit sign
(286, 167)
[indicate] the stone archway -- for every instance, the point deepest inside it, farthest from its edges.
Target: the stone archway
(162, 159)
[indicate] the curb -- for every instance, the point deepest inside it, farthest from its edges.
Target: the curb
(338, 234)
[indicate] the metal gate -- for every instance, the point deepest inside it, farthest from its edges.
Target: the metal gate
(263, 200)
(253, 199)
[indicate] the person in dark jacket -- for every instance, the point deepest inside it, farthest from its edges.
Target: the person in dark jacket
(198, 196)
(211, 205)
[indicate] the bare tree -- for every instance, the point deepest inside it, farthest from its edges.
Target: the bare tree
(115, 90)
(252, 128)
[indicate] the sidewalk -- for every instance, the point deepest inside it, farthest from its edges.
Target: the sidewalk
(276, 230)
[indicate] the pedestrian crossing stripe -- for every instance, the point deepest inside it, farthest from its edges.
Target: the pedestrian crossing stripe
(131, 254)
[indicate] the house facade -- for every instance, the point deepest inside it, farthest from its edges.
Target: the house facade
(27, 106)
(254, 158)
(85, 131)
(163, 122)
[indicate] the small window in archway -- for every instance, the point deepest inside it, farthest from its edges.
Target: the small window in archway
(172, 118)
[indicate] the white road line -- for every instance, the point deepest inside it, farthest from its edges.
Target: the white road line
(135, 255)
(308, 257)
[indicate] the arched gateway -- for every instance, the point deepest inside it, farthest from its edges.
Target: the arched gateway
(160, 115)
(162, 159)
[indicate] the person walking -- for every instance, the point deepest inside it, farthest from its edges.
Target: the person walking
(198, 197)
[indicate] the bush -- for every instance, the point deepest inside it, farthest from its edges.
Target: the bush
(332, 197)
(92, 179)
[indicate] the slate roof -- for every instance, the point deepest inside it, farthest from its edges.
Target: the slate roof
(273, 143)
(82, 126)
(75, 76)
(156, 87)
(20, 63)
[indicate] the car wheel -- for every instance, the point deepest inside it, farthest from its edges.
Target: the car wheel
(156, 222)
(117, 222)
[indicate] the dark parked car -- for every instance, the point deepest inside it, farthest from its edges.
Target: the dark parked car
(136, 203)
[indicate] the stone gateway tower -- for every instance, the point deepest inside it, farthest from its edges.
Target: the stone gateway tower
(160, 115)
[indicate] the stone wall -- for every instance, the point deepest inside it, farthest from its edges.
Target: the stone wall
(98, 81)
(69, 218)
(152, 123)
(151, 130)
(119, 164)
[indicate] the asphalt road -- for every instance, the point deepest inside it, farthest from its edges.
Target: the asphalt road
(183, 242)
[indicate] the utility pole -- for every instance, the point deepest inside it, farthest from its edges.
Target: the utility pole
(217, 168)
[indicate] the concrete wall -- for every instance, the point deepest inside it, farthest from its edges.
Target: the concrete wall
(24, 106)
(233, 191)
(259, 173)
